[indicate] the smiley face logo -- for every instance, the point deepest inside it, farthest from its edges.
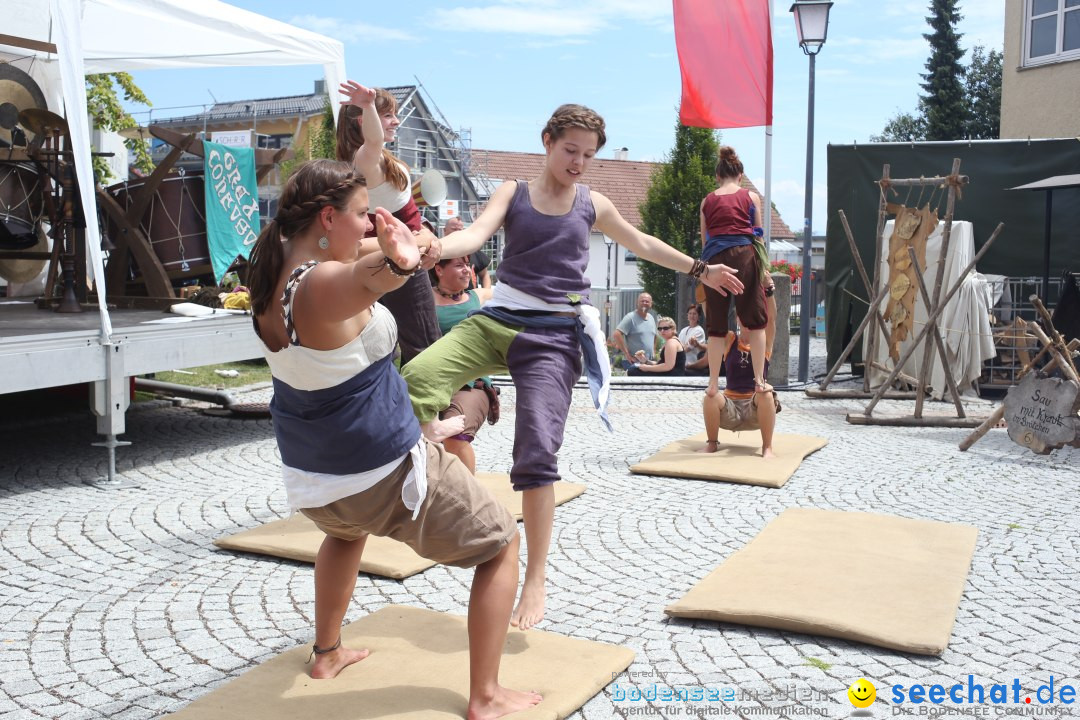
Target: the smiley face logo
(862, 693)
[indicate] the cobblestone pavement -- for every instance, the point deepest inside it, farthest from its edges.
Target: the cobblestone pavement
(115, 604)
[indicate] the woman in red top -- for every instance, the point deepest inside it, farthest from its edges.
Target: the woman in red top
(727, 236)
(366, 121)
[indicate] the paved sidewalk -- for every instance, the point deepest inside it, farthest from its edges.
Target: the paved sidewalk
(115, 604)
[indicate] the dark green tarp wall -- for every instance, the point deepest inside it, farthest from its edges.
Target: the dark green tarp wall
(992, 166)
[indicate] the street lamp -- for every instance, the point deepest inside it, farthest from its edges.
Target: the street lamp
(607, 302)
(812, 24)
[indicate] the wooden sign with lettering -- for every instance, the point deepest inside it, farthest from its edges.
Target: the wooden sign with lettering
(1041, 413)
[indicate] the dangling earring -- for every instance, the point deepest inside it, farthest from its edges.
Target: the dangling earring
(324, 242)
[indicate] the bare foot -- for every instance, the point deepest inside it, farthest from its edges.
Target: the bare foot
(503, 702)
(438, 430)
(710, 447)
(530, 607)
(767, 453)
(329, 665)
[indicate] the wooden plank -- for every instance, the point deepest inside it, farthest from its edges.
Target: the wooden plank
(911, 421)
(153, 272)
(856, 395)
(27, 43)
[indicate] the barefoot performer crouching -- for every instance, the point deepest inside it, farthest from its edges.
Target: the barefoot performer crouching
(743, 405)
(539, 322)
(353, 458)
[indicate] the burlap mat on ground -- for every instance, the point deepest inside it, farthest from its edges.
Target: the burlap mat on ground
(418, 669)
(877, 579)
(738, 460)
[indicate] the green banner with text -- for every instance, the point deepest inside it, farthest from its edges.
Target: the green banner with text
(232, 204)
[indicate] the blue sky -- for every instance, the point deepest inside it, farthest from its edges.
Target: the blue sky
(499, 67)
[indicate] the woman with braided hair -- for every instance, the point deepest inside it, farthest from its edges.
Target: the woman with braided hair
(353, 458)
(366, 121)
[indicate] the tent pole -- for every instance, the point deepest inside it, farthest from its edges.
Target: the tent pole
(1046, 246)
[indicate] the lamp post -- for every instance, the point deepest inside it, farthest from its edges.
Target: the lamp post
(607, 302)
(812, 24)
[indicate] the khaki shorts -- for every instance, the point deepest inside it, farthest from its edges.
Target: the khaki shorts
(739, 414)
(473, 404)
(460, 522)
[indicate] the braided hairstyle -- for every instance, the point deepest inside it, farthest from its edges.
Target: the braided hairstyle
(314, 185)
(572, 115)
(350, 136)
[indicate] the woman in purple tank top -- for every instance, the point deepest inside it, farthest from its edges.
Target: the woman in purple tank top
(538, 322)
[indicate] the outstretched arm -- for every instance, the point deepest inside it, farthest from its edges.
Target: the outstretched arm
(608, 220)
(465, 242)
(350, 288)
(368, 157)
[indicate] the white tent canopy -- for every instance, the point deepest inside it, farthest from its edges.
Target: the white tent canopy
(97, 36)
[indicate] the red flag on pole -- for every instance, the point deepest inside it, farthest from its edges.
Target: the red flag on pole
(726, 57)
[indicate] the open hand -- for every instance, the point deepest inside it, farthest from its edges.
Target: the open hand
(396, 240)
(721, 278)
(357, 94)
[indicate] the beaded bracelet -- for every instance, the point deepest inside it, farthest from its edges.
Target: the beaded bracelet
(398, 270)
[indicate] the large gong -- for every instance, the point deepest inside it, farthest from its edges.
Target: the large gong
(21, 191)
(18, 91)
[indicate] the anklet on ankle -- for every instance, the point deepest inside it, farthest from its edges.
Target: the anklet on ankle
(316, 650)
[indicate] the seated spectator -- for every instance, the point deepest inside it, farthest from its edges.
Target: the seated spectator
(636, 332)
(693, 340)
(672, 359)
(478, 261)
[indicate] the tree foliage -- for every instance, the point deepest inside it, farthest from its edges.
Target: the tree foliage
(983, 90)
(904, 127)
(943, 90)
(104, 108)
(320, 142)
(671, 207)
(957, 102)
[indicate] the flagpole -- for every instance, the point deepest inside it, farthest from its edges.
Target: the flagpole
(767, 209)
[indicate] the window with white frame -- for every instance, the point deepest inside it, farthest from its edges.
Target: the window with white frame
(1051, 31)
(423, 155)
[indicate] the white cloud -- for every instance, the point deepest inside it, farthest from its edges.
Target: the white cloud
(540, 44)
(554, 17)
(866, 51)
(348, 31)
(531, 21)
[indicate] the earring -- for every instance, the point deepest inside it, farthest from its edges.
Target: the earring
(324, 242)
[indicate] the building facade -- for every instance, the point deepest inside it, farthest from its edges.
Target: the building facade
(1040, 78)
(424, 140)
